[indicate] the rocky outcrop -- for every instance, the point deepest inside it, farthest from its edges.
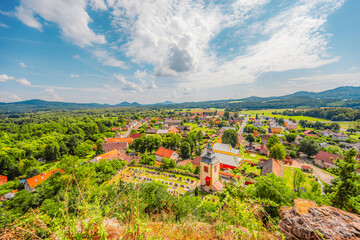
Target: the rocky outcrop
(308, 221)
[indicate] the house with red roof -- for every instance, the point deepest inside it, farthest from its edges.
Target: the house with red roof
(326, 160)
(184, 162)
(196, 161)
(113, 154)
(306, 168)
(310, 133)
(166, 153)
(113, 140)
(264, 150)
(120, 146)
(31, 183)
(135, 135)
(3, 179)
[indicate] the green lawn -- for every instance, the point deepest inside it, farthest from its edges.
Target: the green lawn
(195, 126)
(288, 173)
(254, 159)
(268, 112)
(128, 172)
(249, 169)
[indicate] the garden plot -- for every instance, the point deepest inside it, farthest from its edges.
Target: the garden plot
(177, 184)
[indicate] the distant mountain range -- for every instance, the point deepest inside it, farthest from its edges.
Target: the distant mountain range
(322, 98)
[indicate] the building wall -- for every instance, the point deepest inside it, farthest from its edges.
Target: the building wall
(27, 186)
(214, 175)
(326, 164)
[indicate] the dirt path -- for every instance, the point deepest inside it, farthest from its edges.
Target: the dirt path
(326, 178)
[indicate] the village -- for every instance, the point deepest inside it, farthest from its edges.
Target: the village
(202, 150)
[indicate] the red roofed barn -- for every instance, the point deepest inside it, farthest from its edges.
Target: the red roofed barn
(166, 153)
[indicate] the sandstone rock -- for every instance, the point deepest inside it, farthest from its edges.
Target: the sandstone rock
(308, 221)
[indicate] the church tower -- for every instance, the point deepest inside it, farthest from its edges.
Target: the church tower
(209, 171)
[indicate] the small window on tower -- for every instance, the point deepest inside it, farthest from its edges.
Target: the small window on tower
(206, 169)
(215, 168)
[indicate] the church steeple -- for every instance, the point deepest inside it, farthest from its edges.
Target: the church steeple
(209, 157)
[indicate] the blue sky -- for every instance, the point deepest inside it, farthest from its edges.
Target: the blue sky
(149, 51)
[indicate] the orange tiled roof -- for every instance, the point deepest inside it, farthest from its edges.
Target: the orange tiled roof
(158, 164)
(174, 130)
(163, 152)
(34, 181)
(3, 179)
(108, 155)
(113, 140)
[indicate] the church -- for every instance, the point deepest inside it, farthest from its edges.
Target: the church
(209, 171)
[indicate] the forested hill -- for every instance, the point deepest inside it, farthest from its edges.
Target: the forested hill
(338, 97)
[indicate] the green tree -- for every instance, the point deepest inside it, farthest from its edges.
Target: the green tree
(250, 138)
(273, 139)
(52, 152)
(346, 192)
(147, 160)
(298, 181)
(196, 191)
(185, 150)
(334, 149)
(230, 136)
(278, 152)
(197, 170)
(291, 137)
(309, 146)
(99, 149)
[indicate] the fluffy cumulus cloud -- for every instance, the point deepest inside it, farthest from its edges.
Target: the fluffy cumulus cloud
(176, 38)
(151, 85)
(127, 85)
(69, 15)
(23, 65)
(53, 94)
(191, 44)
(24, 82)
(4, 78)
(74, 75)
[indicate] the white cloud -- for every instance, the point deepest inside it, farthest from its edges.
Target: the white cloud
(141, 74)
(3, 25)
(74, 75)
(187, 91)
(106, 59)
(98, 5)
(151, 85)
(76, 56)
(353, 68)
(126, 85)
(15, 97)
(173, 95)
(23, 65)
(71, 16)
(175, 37)
(53, 94)
(24, 82)
(4, 78)
(338, 77)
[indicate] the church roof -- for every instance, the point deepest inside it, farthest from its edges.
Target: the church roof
(210, 158)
